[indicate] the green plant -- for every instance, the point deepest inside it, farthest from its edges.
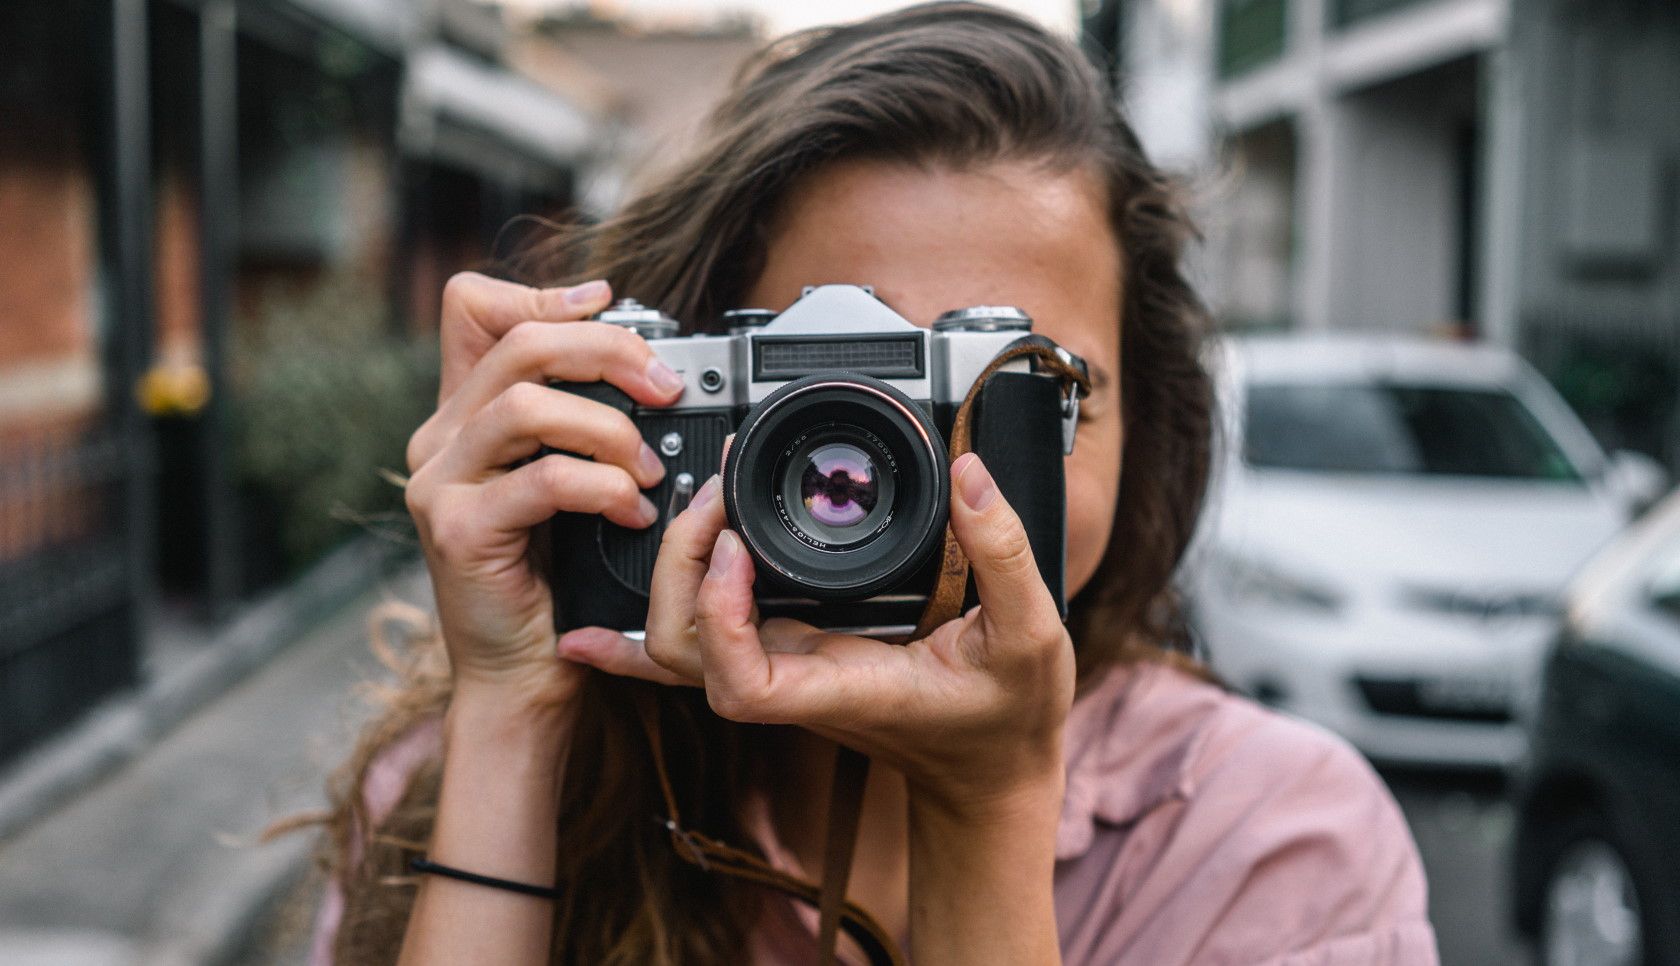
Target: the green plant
(325, 399)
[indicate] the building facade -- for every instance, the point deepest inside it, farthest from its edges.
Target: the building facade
(1504, 169)
(167, 166)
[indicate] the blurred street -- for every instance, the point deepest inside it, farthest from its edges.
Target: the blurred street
(1462, 823)
(160, 862)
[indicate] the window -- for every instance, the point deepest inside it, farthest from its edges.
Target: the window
(1345, 13)
(1252, 33)
(1378, 428)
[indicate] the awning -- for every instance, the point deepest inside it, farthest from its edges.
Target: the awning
(454, 103)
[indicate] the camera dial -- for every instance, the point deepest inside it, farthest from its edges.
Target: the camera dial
(984, 318)
(742, 321)
(646, 322)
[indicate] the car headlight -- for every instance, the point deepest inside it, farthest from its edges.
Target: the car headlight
(1251, 581)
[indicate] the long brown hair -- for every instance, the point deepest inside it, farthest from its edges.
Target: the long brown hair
(943, 84)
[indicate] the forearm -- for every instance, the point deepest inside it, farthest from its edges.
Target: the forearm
(981, 880)
(497, 813)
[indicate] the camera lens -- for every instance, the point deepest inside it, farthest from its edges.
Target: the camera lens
(838, 485)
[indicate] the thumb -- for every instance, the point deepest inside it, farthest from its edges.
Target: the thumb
(1013, 598)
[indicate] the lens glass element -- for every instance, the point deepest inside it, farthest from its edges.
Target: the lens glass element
(835, 486)
(839, 487)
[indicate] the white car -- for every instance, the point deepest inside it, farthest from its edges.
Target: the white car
(1389, 532)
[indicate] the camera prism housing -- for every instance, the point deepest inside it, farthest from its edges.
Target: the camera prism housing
(838, 479)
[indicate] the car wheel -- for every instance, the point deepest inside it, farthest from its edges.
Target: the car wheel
(1590, 911)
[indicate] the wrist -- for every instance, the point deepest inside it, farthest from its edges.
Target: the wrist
(1027, 782)
(506, 724)
(1031, 802)
(982, 873)
(541, 690)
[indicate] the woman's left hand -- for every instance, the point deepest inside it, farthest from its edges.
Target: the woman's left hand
(972, 714)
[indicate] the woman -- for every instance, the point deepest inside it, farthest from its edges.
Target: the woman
(948, 155)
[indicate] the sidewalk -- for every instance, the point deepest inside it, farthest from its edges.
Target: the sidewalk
(157, 863)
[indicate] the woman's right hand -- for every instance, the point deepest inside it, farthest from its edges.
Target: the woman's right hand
(501, 343)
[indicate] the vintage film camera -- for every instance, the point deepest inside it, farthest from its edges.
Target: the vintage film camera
(838, 479)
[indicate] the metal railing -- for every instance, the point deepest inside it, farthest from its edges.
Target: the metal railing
(66, 637)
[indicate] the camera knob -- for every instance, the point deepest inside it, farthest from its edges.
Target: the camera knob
(646, 322)
(984, 318)
(742, 321)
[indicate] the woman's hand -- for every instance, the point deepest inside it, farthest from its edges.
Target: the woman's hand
(972, 714)
(508, 723)
(501, 343)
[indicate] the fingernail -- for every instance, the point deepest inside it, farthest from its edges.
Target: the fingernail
(646, 509)
(663, 377)
(586, 294)
(723, 554)
(973, 482)
(708, 492)
(652, 465)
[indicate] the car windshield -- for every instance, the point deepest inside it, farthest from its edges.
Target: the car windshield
(1385, 428)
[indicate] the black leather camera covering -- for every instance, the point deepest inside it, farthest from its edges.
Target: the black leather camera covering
(1017, 432)
(599, 571)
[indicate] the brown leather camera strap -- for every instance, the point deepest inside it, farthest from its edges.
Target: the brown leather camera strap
(851, 768)
(711, 855)
(945, 602)
(845, 807)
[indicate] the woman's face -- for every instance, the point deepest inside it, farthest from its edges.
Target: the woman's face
(933, 239)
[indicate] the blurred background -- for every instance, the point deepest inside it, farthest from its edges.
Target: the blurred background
(1442, 237)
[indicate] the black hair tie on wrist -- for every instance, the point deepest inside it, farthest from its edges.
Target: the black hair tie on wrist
(425, 866)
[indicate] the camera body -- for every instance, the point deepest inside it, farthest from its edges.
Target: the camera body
(837, 479)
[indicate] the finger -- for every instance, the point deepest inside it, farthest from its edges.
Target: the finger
(615, 653)
(789, 636)
(522, 498)
(735, 666)
(678, 570)
(479, 310)
(578, 352)
(537, 352)
(808, 677)
(526, 417)
(1015, 605)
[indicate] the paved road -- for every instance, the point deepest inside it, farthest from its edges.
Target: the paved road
(1462, 825)
(159, 864)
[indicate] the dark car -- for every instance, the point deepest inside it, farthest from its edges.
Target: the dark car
(1597, 846)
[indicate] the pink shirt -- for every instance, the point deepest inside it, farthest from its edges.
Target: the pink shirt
(1198, 828)
(1201, 828)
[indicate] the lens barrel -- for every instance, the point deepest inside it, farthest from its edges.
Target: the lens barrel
(838, 485)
